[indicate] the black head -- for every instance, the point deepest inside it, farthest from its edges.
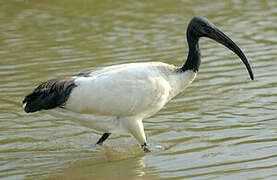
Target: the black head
(201, 27)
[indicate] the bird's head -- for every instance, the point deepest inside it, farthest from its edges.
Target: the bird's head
(202, 27)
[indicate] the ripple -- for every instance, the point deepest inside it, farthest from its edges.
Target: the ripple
(222, 126)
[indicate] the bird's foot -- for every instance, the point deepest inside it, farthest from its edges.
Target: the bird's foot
(145, 149)
(93, 145)
(98, 144)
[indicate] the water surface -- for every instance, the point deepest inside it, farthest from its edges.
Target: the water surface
(222, 127)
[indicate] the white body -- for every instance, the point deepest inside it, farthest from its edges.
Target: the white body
(119, 97)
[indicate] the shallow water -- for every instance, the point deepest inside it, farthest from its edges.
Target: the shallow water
(223, 126)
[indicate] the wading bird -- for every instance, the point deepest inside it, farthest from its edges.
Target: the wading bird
(119, 97)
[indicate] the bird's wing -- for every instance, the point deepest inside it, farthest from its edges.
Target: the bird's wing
(123, 91)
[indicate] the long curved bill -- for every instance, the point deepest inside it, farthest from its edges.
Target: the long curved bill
(220, 37)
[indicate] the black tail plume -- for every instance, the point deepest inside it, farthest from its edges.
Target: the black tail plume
(48, 95)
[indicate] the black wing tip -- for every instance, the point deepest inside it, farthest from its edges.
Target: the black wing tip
(27, 107)
(48, 95)
(28, 110)
(27, 101)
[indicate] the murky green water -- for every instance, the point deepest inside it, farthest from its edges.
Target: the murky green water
(223, 127)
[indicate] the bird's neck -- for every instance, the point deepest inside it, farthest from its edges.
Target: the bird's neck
(193, 60)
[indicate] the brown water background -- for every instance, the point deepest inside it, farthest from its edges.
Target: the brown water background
(222, 127)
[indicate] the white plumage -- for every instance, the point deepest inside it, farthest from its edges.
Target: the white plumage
(138, 89)
(119, 97)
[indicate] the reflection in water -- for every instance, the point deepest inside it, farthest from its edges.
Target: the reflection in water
(129, 168)
(222, 126)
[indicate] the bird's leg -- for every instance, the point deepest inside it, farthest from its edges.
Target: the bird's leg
(144, 147)
(135, 127)
(103, 138)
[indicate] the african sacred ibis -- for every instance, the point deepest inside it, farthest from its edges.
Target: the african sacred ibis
(121, 96)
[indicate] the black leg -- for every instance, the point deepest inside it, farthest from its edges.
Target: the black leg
(103, 138)
(144, 147)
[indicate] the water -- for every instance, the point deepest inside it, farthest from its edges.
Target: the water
(222, 127)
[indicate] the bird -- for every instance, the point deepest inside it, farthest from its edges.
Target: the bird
(119, 97)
